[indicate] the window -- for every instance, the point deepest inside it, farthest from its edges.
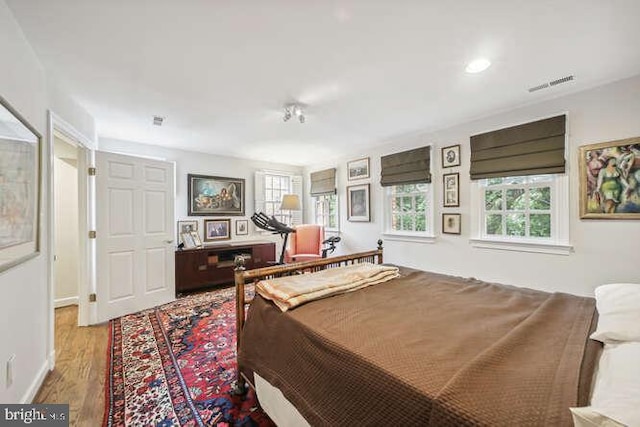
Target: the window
(408, 209)
(275, 186)
(269, 189)
(519, 206)
(520, 188)
(326, 211)
(527, 213)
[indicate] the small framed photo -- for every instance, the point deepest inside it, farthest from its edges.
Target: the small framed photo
(242, 227)
(450, 190)
(358, 169)
(451, 156)
(217, 229)
(196, 238)
(187, 239)
(186, 227)
(358, 203)
(451, 223)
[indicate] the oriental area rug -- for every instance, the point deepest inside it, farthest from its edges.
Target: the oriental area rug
(174, 365)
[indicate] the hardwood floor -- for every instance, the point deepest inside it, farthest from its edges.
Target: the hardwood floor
(79, 376)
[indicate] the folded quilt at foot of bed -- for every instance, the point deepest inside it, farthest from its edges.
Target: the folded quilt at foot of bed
(291, 291)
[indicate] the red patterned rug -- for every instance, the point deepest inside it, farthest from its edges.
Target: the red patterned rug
(174, 365)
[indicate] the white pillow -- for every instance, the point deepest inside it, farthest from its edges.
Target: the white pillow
(619, 312)
(616, 392)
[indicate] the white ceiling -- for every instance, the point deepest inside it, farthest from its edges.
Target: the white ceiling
(220, 71)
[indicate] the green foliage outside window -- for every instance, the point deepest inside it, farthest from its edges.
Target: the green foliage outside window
(409, 207)
(518, 207)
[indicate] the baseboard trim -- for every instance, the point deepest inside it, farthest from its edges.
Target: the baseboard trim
(37, 382)
(63, 302)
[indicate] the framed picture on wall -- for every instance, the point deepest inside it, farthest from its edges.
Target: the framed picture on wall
(19, 188)
(242, 227)
(358, 169)
(451, 156)
(451, 223)
(215, 195)
(450, 190)
(610, 180)
(358, 203)
(217, 229)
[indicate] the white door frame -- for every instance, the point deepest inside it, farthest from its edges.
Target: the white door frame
(86, 263)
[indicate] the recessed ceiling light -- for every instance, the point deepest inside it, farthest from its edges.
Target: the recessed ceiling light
(478, 65)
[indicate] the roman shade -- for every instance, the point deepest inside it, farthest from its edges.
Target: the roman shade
(407, 167)
(530, 149)
(323, 182)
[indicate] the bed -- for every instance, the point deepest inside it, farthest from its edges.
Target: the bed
(421, 349)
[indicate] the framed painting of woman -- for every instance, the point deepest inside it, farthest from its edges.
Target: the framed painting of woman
(610, 180)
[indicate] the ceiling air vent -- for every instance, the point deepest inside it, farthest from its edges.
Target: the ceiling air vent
(551, 83)
(157, 120)
(560, 81)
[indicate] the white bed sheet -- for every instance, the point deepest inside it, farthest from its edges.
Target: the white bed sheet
(273, 402)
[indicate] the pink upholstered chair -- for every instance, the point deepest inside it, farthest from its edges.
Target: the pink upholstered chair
(305, 244)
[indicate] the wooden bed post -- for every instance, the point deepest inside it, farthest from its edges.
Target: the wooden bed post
(380, 251)
(240, 386)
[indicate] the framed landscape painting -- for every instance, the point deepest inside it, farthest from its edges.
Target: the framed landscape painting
(19, 188)
(215, 195)
(358, 169)
(610, 180)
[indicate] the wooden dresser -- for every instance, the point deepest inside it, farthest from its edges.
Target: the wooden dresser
(213, 264)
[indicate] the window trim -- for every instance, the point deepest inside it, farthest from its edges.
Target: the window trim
(337, 218)
(426, 236)
(295, 182)
(288, 218)
(557, 245)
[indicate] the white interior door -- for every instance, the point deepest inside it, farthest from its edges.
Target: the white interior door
(135, 228)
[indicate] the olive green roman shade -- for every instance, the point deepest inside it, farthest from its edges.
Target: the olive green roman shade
(407, 167)
(323, 182)
(531, 149)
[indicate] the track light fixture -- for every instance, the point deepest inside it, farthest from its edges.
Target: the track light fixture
(294, 110)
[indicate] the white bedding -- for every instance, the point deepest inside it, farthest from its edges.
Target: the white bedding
(279, 409)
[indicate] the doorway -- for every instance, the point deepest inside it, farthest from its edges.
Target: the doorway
(66, 213)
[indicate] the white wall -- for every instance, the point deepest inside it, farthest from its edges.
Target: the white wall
(604, 250)
(190, 162)
(25, 316)
(67, 238)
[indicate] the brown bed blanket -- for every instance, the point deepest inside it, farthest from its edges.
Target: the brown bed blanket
(425, 349)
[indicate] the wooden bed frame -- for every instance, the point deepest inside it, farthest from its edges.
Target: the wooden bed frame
(243, 276)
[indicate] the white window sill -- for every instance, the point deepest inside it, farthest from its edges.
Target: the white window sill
(522, 246)
(406, 237)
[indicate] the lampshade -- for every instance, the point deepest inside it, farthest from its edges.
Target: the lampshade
(290, 202)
